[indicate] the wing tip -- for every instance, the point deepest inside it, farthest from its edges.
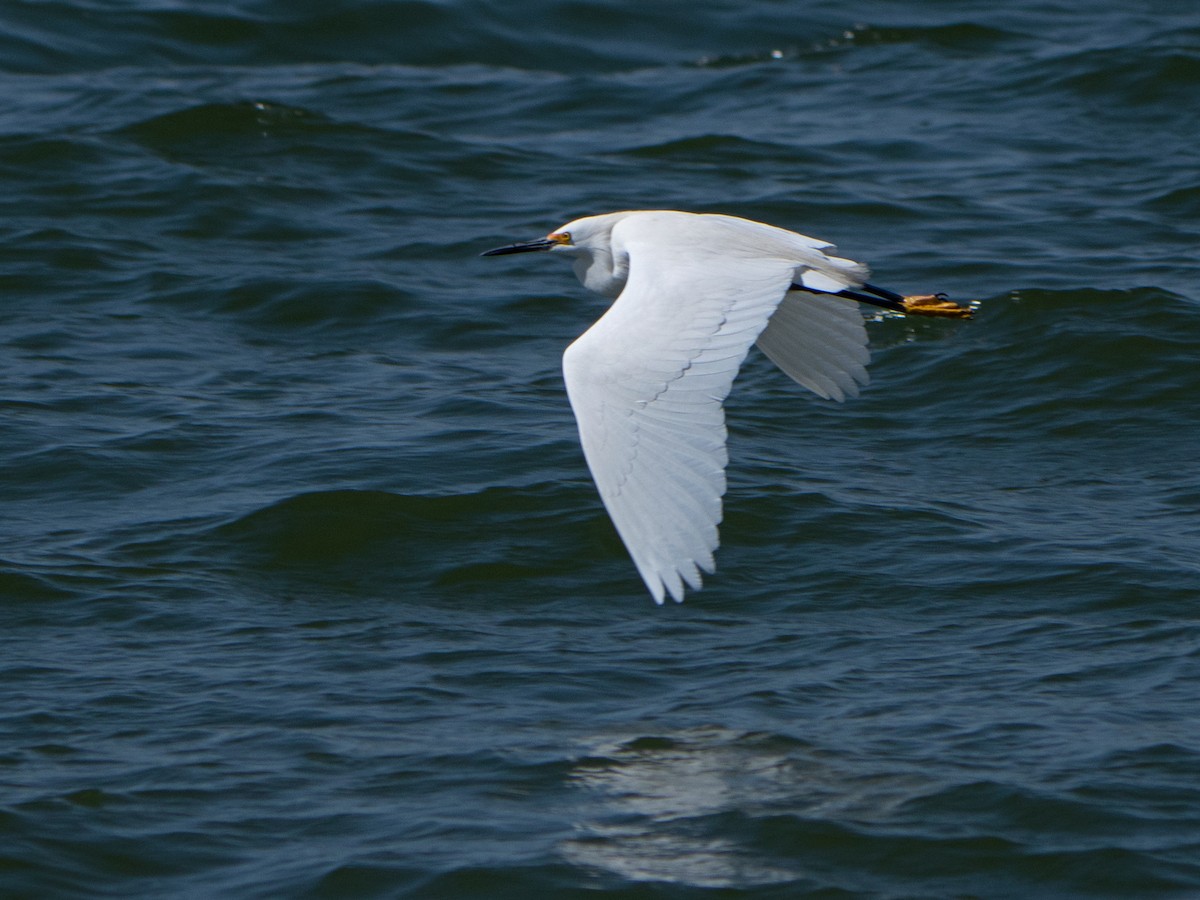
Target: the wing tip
(677, 579)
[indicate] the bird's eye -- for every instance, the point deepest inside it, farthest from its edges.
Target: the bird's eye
(561, 237)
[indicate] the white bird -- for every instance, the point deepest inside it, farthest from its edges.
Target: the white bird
(647, 381)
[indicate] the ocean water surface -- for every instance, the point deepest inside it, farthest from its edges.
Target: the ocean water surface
(305, 590)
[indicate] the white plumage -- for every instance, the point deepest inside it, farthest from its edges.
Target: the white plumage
(648, 380)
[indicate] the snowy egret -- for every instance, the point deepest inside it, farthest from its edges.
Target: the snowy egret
(647, 381)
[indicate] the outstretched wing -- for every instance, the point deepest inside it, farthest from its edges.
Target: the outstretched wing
(647, 383)
(820, 342)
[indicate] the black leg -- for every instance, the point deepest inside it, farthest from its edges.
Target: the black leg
(883, 299)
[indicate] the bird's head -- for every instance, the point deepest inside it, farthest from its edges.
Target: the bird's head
(589, 242)
(555, 240)
(590, 234)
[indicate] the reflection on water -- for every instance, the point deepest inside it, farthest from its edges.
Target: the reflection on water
(684, 807)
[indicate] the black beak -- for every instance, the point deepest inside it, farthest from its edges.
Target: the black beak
(525, 247)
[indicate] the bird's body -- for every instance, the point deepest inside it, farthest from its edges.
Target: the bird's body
(648, 380)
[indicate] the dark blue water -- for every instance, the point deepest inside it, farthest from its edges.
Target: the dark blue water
(305, 590)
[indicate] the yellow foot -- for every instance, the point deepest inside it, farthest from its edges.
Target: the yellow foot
(936, 305)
